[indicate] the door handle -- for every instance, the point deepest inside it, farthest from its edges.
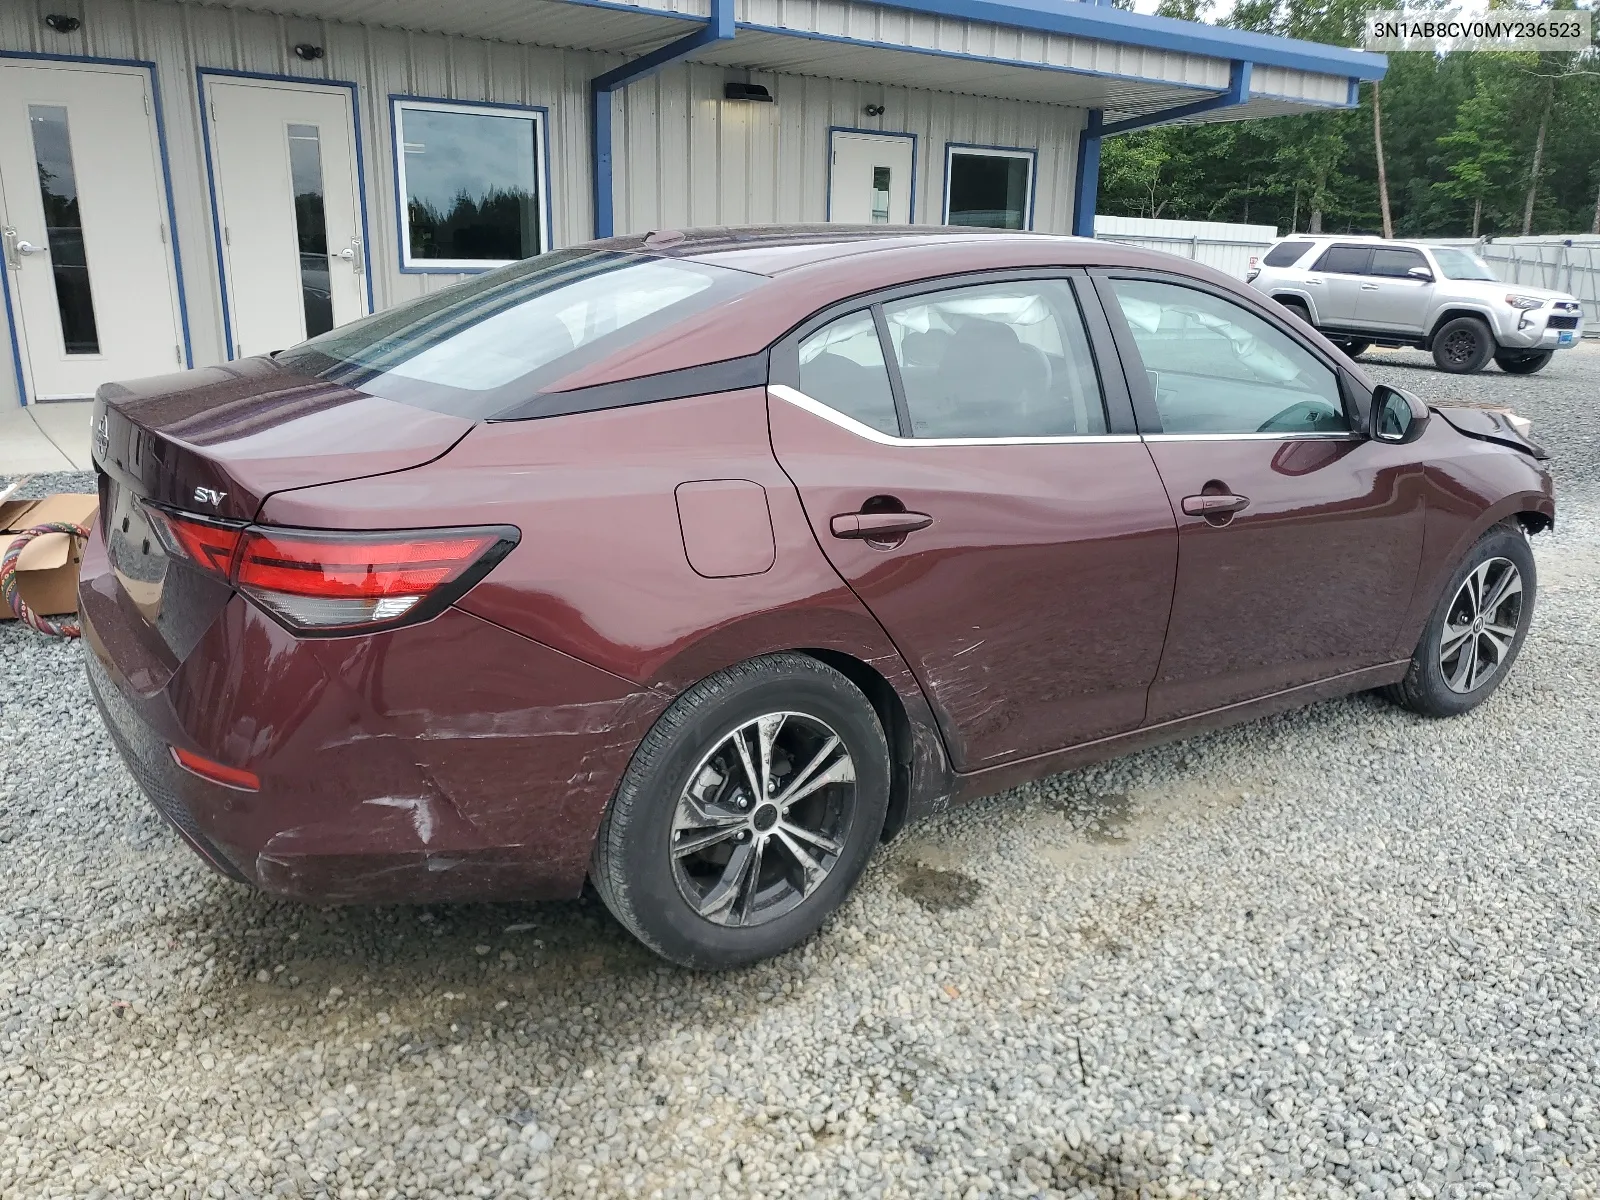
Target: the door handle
(29, 248)
(1212, 506)
(875, 525)
(352, 255)
(1369, 287)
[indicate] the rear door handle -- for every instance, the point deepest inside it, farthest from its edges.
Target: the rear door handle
(1211, 506)
(1369, 287)
(878, 524)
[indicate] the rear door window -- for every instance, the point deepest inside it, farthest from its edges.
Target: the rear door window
(842, 366)
(1286, 254)
(1394, 263)
(996, 361)
(1344, 260)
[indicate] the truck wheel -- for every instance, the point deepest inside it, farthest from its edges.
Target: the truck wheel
(1297, 309)
(1522, 362)
(1352, 349)
(1462, 346)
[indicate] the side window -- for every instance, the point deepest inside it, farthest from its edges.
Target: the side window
(842, 365)
(1216, 367)
(1344, 260)
(997, 360)
(1394, 263)
(1286, 254)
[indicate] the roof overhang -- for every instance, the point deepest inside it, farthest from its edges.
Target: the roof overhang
(1063, 52)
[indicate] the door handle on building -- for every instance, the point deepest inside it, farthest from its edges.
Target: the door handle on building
(352, 255)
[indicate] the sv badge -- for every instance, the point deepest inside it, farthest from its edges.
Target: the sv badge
(205, 495)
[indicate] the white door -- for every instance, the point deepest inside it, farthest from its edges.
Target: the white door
(869, 178)
(288, 206)
(89, 261)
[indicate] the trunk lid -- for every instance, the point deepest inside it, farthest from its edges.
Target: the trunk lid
(217, 442)
(220, 440)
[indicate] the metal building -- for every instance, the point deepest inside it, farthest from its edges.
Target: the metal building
(187, 182)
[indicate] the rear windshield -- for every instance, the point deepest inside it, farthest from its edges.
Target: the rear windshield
(1286, 254)
(1461, 264)
(476, 349)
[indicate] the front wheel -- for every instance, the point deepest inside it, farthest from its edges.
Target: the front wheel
(1476, 631)
(1522, 362)
(747, 814)
(1462, 346)
(1352, 349)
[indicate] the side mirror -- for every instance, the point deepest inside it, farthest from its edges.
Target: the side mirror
(1397, 417)
(1421, 273)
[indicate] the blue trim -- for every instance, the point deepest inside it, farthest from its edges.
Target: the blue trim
(719, 27)
(1086, 180)
(1354, 95)
(211, 176)
(950, 149)
(402, 219)
(1107, 24)
(1238, 92)
(827, 198)
(166, 181)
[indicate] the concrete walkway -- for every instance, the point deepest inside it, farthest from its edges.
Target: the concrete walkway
(53, 436)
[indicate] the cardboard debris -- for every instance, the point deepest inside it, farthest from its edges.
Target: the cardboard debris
(47, 569)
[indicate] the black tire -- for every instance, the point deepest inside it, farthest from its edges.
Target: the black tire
(1426, 689)
(647, 886)
(1522, 362)
(1462, 345)
(1352, 349)
(1298, 310)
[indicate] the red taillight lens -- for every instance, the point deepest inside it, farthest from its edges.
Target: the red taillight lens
(234, 777)
(318, 581)
(321, 582)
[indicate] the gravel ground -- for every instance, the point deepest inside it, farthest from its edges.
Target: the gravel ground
(1343, 952)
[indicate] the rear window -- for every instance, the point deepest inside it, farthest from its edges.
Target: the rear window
(1286, 254)
(479, 348)
(1344, 260)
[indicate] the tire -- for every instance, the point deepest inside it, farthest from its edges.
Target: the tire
(1352, 349)
(686, 783)
(1522, 362)
(1462, 346)
(1298, 310)
(1442, 684)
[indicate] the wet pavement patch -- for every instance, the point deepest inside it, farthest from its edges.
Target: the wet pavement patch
(936, 890)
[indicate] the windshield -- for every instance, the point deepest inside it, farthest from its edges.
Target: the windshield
(480, 347)
(1460, 264)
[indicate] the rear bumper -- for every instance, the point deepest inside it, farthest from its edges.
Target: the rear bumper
(448, 760)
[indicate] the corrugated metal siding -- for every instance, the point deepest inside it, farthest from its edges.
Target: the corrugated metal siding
(1284, 84)
(1220, 244)
(684, 157)
(179, 38)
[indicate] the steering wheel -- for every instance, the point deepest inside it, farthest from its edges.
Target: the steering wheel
(1303, 416)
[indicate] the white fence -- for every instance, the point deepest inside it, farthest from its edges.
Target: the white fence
(1215, 243)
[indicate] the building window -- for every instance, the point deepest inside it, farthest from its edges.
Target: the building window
(472, 184)
(990, 186)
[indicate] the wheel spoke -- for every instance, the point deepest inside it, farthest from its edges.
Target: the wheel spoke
(757, 787)
(694, 841)
(1475, 587)
(1505, 631)
(1472, 657)
(721, 898)
(810, 868)
(1498, 643)
(1465, 658)
(804, 773)
(701, 817)
(767, 735)
(1507, 586)
(1454, 636)
(758, 850)
(826, 844)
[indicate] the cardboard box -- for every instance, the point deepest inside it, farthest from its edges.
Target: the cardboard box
(47, 569)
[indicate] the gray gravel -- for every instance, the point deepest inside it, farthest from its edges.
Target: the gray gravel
(1344, 952)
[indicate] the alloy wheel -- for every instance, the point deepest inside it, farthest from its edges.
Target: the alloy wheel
(1460, 347)
(763, 819)
(1481, 625)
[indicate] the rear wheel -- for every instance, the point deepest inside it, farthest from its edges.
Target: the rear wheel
(1462, 345)
(747, 814)
(1298, 309)
(1476, 631)
(1522, 362)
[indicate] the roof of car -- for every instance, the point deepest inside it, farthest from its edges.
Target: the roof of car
(776, 249)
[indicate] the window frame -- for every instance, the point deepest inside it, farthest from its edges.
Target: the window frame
(951, 149)
(537, 114)
(1331, 247)
(1121, 426)
(1355, 399)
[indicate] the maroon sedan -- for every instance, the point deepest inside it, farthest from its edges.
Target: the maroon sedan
(700, 563)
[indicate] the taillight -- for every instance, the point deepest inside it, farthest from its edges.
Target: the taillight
(320, 582)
